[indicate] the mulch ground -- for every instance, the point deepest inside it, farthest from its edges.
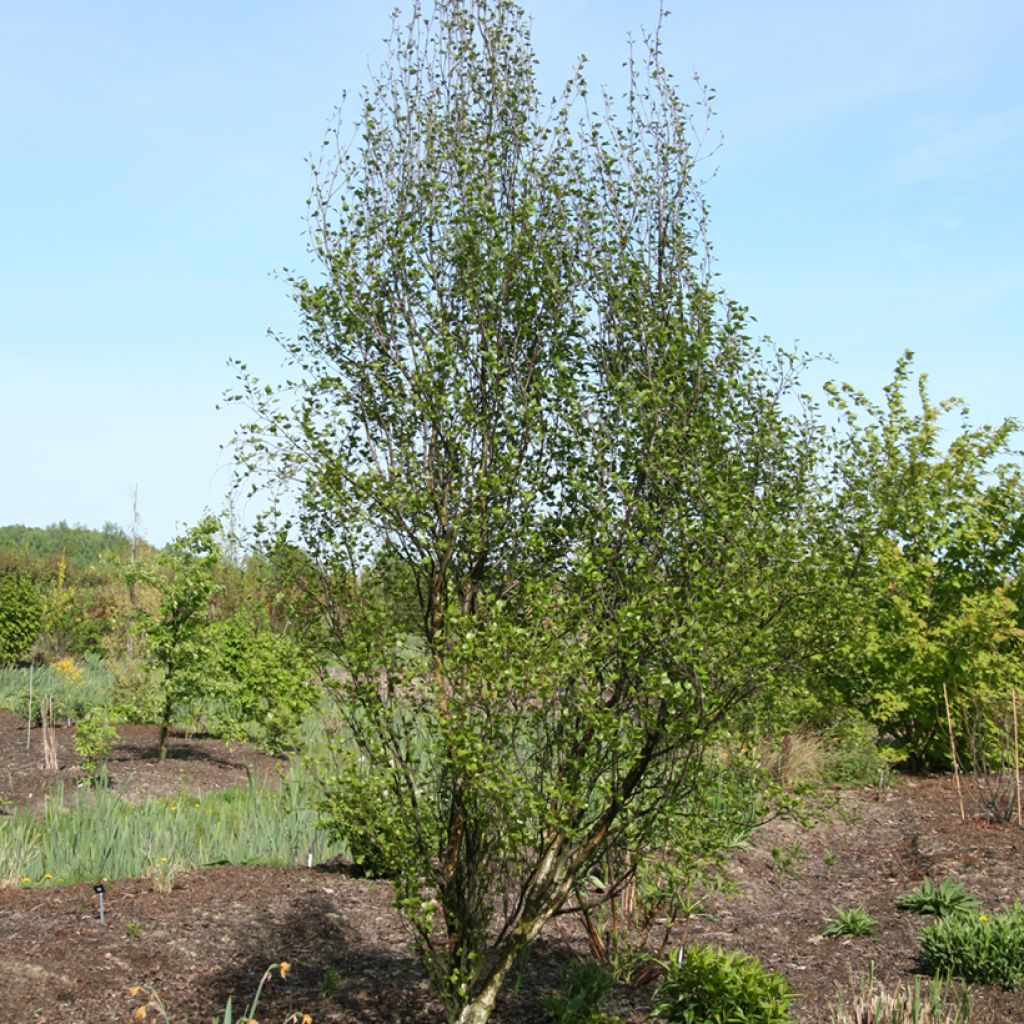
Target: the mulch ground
(217, 930)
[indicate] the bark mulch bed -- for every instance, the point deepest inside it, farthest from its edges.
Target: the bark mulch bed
(217, 930)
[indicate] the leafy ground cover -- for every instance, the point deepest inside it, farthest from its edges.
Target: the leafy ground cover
(215, 931)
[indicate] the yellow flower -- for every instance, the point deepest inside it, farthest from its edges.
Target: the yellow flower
(983, 917)
(284, 967)
(47, 876)
(140, 1013)
(163, 860)
(306, 1019)
(134, 990)
(26, 880)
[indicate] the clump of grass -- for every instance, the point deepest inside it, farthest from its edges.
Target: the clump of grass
(99, 835)
(855, 921)
(871, 1002)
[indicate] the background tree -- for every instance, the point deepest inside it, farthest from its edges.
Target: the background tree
(516, 381)
(21, 615)
(178, 631)
(939, 535)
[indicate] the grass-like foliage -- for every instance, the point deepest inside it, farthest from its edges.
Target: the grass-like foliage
(948, 897)
(99, 835)
(711, 985)
(854, 921)
(983, 948)
(870, 1002)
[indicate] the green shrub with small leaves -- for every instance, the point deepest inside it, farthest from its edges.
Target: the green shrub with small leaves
(711, 985)
(95, 739)
(21, 616)
(983, 948)
(855, 921)
(942, 900)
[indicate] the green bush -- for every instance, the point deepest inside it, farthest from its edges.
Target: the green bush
(852, 756)
(266, 683)
(585, 987)
(711, 985)
(948, 897)
(95, 739)
(983, 948)
(21, 616)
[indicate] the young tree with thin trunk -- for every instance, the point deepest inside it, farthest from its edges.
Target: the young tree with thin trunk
(516, 381)
(177, 632)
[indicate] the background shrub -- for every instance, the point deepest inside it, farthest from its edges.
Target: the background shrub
(21, 616)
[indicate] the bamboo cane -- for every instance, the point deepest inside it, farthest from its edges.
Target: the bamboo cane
(28, 736)
(1016, 755)
(952, 748)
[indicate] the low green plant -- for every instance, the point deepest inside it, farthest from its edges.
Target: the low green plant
(584, 989)
(870, 1002)
(132, 930)
(95, 739)
(785, 858)
(331, 982)
(97, 834)
(946, 898)
(711, 985)
(983, 948)
(855, 921)
(830, 862)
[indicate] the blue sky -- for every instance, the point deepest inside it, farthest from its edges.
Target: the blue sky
(868, 198)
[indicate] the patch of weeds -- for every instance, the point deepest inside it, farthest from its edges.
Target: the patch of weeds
(983, 948)
(830, 862)
(785, 858)
(132, 930)
(855, 921)
(708, 983)
(585, 987)
(942, 900)
(331, 982)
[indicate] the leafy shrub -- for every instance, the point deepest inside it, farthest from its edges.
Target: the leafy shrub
(21, 616)
(854, 921)
(711, 985)
(585, 987)
(851, 753)
(95, 739)
(872, 1003)
(267, 684)
(948, 897)
(983, 948)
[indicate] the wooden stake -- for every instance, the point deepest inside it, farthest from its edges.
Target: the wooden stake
(28, 738)
(1016, 754)
(952, 748)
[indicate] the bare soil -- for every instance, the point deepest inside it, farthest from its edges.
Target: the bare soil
(217, 930)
